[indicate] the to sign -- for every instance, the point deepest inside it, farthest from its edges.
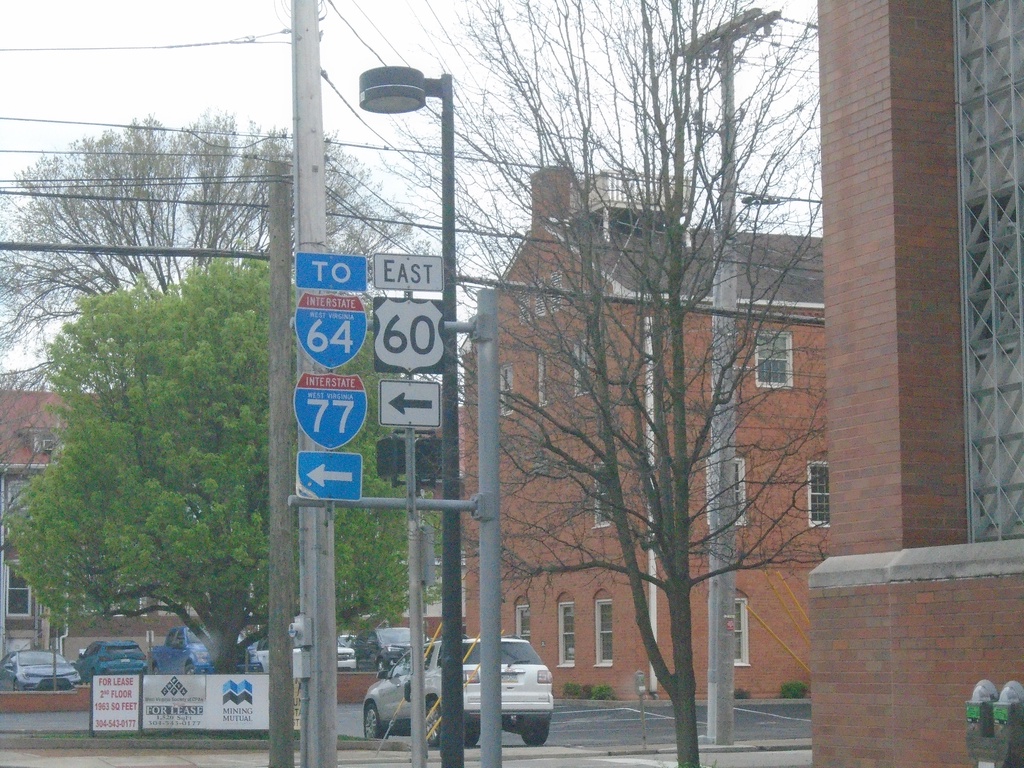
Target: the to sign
(324, 475)
(330, 328)
(407, 335)
(330, 272)
(330, 408)
(409, 403)
(402, 272)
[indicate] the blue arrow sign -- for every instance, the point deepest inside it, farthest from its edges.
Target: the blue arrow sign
(331, 328)
(325, 475)
(330, 272)
(330, 408)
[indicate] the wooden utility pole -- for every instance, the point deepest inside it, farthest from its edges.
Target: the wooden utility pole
(282, 573)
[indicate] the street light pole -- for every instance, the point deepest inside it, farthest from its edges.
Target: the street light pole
(395, 90)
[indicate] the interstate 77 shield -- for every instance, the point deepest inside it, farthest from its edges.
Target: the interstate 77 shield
(330, 409)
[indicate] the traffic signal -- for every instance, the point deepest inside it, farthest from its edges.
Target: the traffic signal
(391, 458)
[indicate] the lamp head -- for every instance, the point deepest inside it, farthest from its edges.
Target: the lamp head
(392, 90)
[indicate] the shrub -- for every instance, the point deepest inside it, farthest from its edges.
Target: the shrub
(794, 689)
(586, 691)
(572, 691)
(603, 693)
(741, 693)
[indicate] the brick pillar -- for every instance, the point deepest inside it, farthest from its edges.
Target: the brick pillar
(892, 285)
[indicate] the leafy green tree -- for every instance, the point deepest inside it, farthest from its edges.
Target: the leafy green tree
(158, 500)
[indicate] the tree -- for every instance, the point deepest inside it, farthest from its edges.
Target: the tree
(148, 186)
(607, 300)
(158, 500)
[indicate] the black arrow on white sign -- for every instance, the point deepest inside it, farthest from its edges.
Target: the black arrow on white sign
(400, 404)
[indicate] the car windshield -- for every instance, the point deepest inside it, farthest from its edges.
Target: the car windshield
(31, 658)
(511, 653)
(395, 636)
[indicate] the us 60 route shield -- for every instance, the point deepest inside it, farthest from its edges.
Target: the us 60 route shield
(330, 408)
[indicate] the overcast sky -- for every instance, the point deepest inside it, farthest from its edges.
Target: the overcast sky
(60, 61)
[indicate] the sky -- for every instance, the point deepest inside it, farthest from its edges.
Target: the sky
(109, 61)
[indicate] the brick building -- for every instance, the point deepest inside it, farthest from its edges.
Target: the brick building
(558, 512)
(922, 120)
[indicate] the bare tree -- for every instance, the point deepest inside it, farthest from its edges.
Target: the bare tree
(615, 372)
(146, 204)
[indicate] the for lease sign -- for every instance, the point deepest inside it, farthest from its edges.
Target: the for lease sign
(206, 702)
(115, 702)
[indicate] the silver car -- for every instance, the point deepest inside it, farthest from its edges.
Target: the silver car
(37, 671)
(527, 700)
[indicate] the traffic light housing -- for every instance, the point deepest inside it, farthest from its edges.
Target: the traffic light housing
(391, 458)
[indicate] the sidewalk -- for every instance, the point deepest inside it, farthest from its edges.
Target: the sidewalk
(29, 753)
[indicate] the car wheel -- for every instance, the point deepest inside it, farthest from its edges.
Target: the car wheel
(372, 726)
(535, 731)
(471, 734)
(433, 723)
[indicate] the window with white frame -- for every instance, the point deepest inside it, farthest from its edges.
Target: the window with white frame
(601, 519)
(817, 493)
(603, 631)
(19, 595)
(738, 484)
(567, 634)
(542, 379)
(735, 488)
(505, 385)
(741, 633)
(774, 359)
(14, 487)
(555, 281)
(523, 620)
(581, 355)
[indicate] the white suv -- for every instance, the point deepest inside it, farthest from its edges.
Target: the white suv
(526, 697)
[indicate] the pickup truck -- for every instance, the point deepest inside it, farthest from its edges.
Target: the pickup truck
(182, 653)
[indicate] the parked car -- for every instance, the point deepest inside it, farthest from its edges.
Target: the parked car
(346, 653)
(527, 700)
(182, 653)
(37, 671)
(111, 657)
(382, 647)
(258, 654)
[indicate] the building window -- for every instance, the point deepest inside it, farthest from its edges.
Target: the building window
(523, 621)
(581, 355)
(505, 383)
(774, 359)
(817, 493)
(734, 490)
(567, 634)
(556, 284)
(542, 380)
(740, 631)
(603, 629)
(19, 595)
(601, 519)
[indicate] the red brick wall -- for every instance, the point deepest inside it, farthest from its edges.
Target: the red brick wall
(894, 663)
(892, 275)
(77, 700)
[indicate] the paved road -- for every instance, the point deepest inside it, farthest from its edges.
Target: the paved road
(575, 724)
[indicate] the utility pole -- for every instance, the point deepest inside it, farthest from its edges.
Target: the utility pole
(722, 512)
(316, 523)
(281, 471)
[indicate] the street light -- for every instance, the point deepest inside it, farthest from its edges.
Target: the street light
(397, 90)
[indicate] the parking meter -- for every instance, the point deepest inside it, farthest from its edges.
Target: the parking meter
(995, 725)
(640, 682)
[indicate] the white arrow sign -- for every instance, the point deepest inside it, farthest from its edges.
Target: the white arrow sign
(321, 476)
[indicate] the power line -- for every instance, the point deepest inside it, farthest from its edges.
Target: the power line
(245, 40)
